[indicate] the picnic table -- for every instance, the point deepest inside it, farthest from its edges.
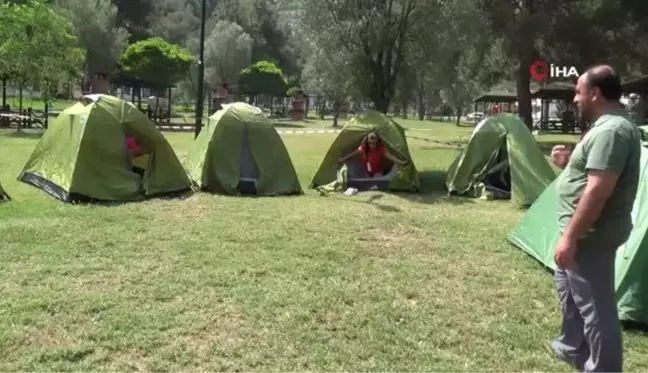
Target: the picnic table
(21, 119)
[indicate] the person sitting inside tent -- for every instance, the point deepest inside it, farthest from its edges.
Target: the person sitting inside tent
(373, 152)
(498, 178)
(136, 156)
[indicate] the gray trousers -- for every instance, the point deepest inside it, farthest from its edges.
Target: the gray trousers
(591, 332)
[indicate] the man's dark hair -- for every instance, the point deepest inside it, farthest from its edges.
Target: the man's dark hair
(605, 79)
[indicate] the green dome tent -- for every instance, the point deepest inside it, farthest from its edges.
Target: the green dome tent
(240, 152)
(331, 177)
(502, 160)
(82, 155)
(538, 233)
(644, 134)
(4, 197)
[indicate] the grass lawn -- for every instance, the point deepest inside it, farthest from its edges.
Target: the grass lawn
(373, 282)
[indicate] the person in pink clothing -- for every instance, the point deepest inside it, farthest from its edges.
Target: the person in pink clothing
(133, 146)
(133, 151)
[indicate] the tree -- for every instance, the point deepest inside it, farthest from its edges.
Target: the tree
(405, 91)
(375, 32)
(471, 59)
(271, 35)
(460, 87)
(174, 21)
(263, 77)
(38, 47)
(422, 57)
(98, 32)
(570, 32)
(329, 75)
(156, 62)
(134, 15)
(228, 50)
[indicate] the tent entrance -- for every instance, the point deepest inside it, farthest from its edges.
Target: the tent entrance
(248, 169)
(141, 164)
(358, 179)
(497, 178)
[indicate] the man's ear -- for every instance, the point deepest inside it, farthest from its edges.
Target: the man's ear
(596, 94)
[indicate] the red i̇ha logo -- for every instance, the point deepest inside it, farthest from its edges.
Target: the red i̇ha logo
(541, 71)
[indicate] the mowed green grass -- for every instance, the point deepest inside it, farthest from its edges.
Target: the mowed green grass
(373, 282)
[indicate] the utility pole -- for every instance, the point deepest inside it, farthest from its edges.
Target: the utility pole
(201, 72)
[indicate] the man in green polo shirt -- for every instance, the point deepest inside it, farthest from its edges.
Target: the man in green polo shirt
(596, 192)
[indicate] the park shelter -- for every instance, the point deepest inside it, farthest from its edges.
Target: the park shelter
(538, 233)
(643, 130)
(332, 177)
(82, 156)
(4, 196)
(496, 97)
(638, 86)
(240, 152)
(502, 160)
(561, 93)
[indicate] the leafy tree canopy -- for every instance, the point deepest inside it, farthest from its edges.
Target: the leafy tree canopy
(263, 77)
(38, 47)
(156, 62)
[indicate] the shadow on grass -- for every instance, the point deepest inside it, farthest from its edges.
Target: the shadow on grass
(433, 190)
(635, 328)
(432, 181)
(29, 134)
(172, 196)
(372, 201)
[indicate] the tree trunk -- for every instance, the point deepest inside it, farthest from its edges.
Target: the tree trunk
(336, 113)
(381, 103)
(459, 109)
(523, 93)
(4, 92)
(307, 98)
(157, 107)
(420, 98)
(321, 104)
(378, 92)
(404, 109)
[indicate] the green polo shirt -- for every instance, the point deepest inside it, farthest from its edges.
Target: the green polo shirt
(612, 144)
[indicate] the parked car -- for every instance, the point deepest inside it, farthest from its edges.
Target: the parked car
(475, 116)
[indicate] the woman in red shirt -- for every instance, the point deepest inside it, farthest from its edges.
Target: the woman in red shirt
(133, 153)
(373, 153)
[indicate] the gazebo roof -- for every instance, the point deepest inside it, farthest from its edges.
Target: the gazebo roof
(555, 91)
(638, 85)
(497, 96)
